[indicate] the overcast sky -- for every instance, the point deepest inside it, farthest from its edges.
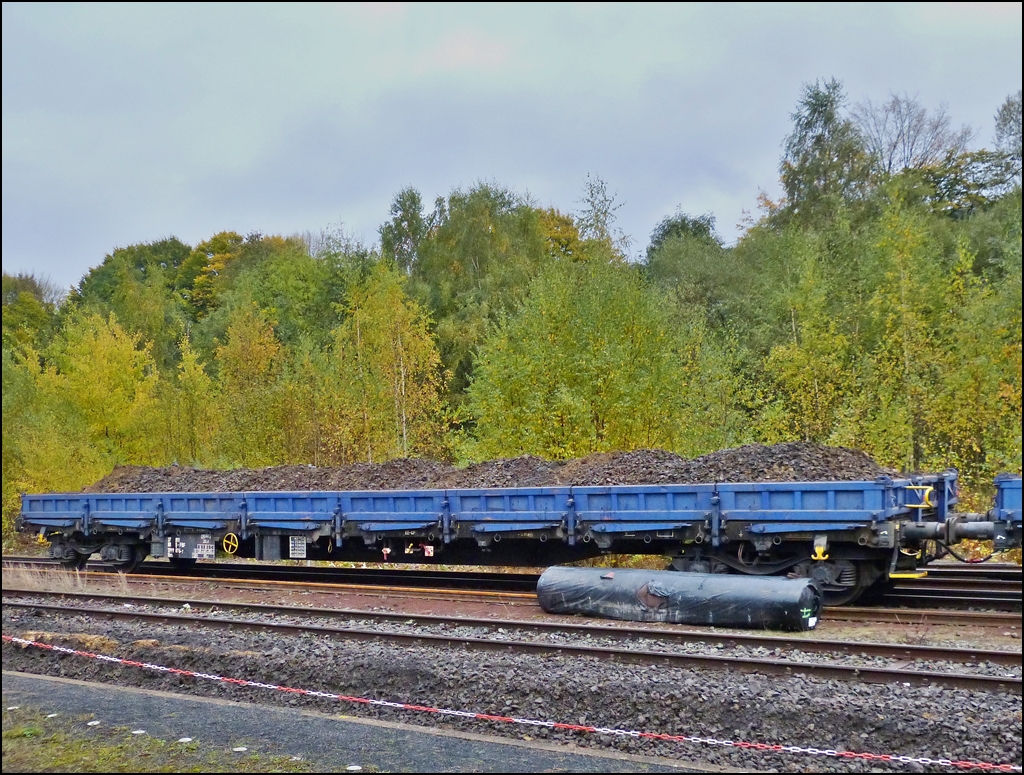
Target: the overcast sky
(125, 124)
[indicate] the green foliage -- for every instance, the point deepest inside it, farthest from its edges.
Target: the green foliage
(975, 408)
(192, 410)
(591, 363)
(298, 292)
(100, 282)
(757, 283)
(42, 289)
(29, 311)
(148, 308)
(250, 364)
(136, 285)
(483, 248)
(388, 372)
(914, 355)
(201, 274)
(562, 235)
(18, 394)
(106, 378)
(400, 237)
(716, 395)
(697, 272)
(902, 311)
(697, 227)
(968, 181)
(825, 163)
(27, 322)
(809, 376)
(55, 440)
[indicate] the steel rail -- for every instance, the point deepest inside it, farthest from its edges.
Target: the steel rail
(1005, 571)
(426, 593)
(656, 633)
(928, 616)
(996, 578)
(474, 580)
(949, 599)
(969, 575)
(1002, 587)
(626, 655)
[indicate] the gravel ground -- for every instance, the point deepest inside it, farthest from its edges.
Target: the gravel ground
(898, 719)
(650, 642)
(792, 461)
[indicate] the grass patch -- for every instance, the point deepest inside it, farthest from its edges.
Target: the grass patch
(34, 743)
(62, 580)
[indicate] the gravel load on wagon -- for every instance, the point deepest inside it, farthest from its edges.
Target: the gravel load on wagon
(524, 471)
(787, 462)
(404, 474)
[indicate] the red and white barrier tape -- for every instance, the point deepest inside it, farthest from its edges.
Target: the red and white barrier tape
(880, 757)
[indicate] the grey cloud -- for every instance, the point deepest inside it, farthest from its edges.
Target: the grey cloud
(191, 123)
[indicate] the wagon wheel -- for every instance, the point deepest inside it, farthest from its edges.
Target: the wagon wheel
(126, 566)
(831, 597)
(829, 576)
(873, 593)
(78, 562)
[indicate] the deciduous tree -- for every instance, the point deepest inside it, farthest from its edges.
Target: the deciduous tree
(400, 236)
(250, 362)
(388, 371)
(1008, 133)
(590, 363)
(900, 134)
(107, 377)
(825, 163)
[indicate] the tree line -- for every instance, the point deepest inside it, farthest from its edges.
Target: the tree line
(876, 304)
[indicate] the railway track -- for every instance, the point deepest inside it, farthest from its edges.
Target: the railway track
(992, 588)
(769, 654)
(461, 580)
(952, 598)
(902, 616)
(922, 616)
(975, 619)
(1001, 571)
(1004, 576)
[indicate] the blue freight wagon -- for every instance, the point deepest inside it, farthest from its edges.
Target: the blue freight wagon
(847, 535)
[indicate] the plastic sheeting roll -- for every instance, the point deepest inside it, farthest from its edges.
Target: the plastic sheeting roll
(723, 600)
